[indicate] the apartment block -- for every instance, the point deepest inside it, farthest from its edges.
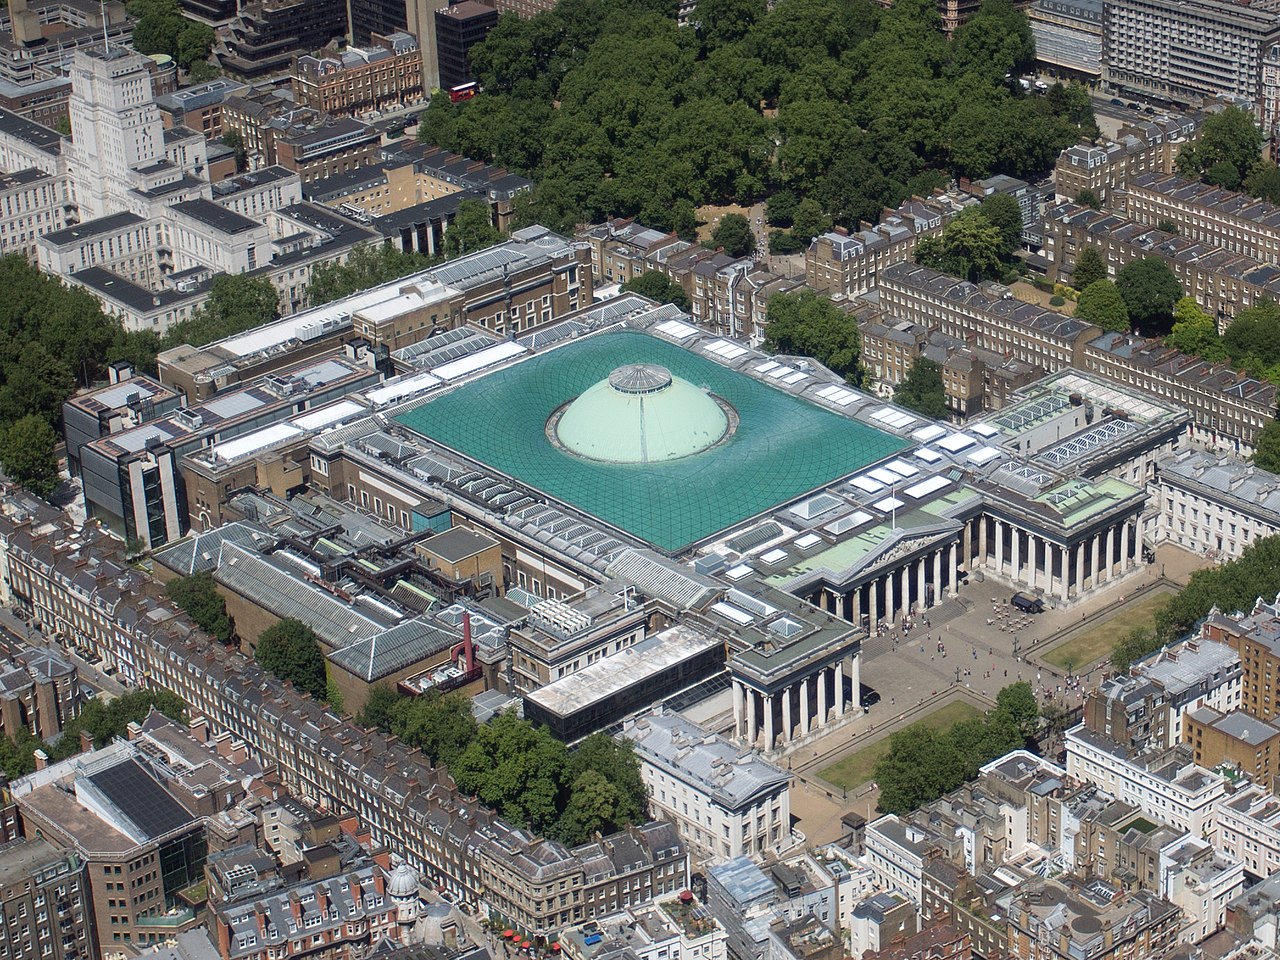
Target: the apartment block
(1249, 829)
(199, 107)
(1188, 50)
(1222, 283)
(725, 800)
(1234, 222)
(1060, 920)
(1255, 636)
(1166, 785)
(263, 37)
(39, 693)
(991, 321)
(1068, 35)
(1105, 168)
(44, 903)
(385, 74)
(620, 249)
(1229, 408)
(1237, 739)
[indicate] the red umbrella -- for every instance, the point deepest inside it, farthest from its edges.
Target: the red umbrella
(555, 946)
(508, 934)
(526, 944)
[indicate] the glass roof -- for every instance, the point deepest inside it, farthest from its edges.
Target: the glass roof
(783, 446)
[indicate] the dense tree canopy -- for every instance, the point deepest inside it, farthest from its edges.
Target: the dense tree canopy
(733, 235)
(291, 651)
(472, 228)
(923, 764)
(808, 324)
(971, 246)
(615, 111)
(161, 28)
(1266, 451)
(1102, 305)
(1150, 291)
(922, 390)
(1230, 145)
(27, 451)
(658, 286)
(199, 598)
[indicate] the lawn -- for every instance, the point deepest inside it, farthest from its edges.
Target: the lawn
(857, 768)
(1096, 643)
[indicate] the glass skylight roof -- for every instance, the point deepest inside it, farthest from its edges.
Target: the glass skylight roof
(783, 446)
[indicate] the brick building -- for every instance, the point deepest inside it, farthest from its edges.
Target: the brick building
(459, 27)
(44, 903)
(385, 74)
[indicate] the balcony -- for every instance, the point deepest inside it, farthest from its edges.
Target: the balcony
(167, 921)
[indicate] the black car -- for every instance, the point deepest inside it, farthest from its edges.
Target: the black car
(1117, 102)
(1149, 110)
(866, 696)
(1132, 106)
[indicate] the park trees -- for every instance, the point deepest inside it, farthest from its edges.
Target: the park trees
(1263, 181)
(367, 266)
(237, 302)
(1102, 305)
(970, 246)
(733, 234)
(291, 651)
(27, 452)
(922, 390)
(471, 229)
(808, 324)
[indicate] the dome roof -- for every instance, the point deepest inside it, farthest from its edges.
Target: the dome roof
(403, 882)
(641, 414)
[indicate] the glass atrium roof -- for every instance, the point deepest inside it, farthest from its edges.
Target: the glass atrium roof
(783, 446)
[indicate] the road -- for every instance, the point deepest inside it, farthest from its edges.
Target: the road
(16, 634)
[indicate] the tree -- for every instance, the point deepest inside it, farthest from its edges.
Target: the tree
(808, 324)
(105, 720)
(440, 725)
(780, 209)
(1002, 212)
(1089, 269)
(658, 287)
(809, 220)
(1195, 332)
(734, 235)
(1253, 338)
(592, 807)
(1266, 453)
(724, 22)
(237, 302)
(1263, 181)
(235, 141)
(922, 390)
(616, 761)
(1230, 139)
(291, 651)
(970, 246)
(472, 229)
(379, 708)
(1018, 701)
(1102, 305)
(517, 769)
(1150, 290)
(198, 596)
(27, 452)
(1087, 198)
(1223, 174)
(367, 266)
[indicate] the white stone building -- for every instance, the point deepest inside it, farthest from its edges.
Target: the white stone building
(1249, 830)
(1164, 784)
(724, 799)
(1202, 882)
(896, 852)
(1215, 506)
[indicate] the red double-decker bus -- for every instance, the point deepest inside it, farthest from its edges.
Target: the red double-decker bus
(463, 91)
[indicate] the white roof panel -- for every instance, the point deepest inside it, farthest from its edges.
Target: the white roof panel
(887, 477)
(927, 486)
(902, 467)
(676, 329)
(887, 504)
(956, 442)
(726, 349)
(730, 612)
(985, 430)
(319, 419)
(866, 485)
(472, 362)
(401, 388)
(983, 455)
(252, 442)
(927, 455)
(931, 432)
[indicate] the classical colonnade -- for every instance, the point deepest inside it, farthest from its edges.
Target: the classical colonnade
(797, 708)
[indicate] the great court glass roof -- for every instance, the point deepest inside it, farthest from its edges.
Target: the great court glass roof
(783, 446)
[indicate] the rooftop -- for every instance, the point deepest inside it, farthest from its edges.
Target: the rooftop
(782, 448)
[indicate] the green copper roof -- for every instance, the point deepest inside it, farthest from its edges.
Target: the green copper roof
(641, 414)
(781, 449)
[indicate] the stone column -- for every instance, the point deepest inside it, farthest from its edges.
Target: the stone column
(1033, 559)
(839, 687)
(920, 582)
(937, 574)
(1080, 569)
(822, 697)
(967, 541)
(954, 568)
(804, 706)
(905, 588)
(753, 725)
(982, 541)
(737, 710)
(890, 606)
(1093, 549)
(1124, 546)
(1016, 536)
(999, 548)
(1111, 552)
(787, 728)
(768, 722)
(1064, 585)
